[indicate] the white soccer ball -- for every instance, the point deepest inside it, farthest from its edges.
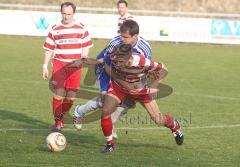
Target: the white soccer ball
(56, 141)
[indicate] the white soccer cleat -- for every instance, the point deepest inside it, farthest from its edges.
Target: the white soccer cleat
(77, 121)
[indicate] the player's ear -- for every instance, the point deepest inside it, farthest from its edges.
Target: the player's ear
(135, 36)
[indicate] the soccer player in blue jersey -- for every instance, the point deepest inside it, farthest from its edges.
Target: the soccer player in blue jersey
(129, 34)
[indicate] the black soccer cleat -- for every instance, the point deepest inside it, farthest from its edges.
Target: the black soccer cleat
(108, 148)
(178, 137)
(57, 127)
(177, 133)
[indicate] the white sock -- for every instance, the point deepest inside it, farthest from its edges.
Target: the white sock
(116, 114)
(91, 105)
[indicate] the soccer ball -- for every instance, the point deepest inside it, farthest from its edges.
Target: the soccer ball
(56, 141)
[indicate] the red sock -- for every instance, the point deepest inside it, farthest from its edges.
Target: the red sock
(67, 104)
(106, 124)
(57, 109)
(169, 121)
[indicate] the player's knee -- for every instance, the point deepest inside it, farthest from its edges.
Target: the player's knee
(58, 97)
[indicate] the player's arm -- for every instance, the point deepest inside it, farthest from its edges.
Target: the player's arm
(91, 61)
(79, 61)
(158, 74)
(47, 57)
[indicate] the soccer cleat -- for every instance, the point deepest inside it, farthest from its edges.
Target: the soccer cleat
(177, 133)
(57, 126)
(77, 121)
(108, 148)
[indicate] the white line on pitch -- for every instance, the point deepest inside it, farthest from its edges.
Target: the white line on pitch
(123, 128)
(207, 96)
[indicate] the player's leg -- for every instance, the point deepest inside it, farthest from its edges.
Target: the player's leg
(57, 87)
(91, 105)
(71, 85)
(57, 103)
(120, 110)
(111, 101)
(109, 106)
(81, 110)
(164, 120)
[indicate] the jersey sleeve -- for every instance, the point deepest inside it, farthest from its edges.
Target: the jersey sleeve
(50, 42)
(151, 67)
(107, 59)
(86, 39)
(155, 69)
(113, 44)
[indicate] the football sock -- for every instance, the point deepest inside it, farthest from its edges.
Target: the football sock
(67, 104)
(106, 124)
(169, 122)
(57, 109)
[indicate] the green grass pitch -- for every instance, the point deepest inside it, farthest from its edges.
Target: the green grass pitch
(205, 98)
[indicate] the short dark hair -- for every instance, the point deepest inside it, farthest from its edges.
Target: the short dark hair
(130, 26)
(123, 50)
(122, 1)
(68, 4)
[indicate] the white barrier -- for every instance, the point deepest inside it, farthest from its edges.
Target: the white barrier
(174, 29)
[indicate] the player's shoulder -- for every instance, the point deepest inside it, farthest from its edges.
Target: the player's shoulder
(142, 43)
(56, 25)
(142, 40)
(115, 42)
(116, 38)
(80, 25)
(129, 17)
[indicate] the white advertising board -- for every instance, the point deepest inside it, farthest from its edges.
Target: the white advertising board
(172, 29)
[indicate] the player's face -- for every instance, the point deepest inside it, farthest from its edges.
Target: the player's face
(128, 39)
(67, 15)
(122, 9)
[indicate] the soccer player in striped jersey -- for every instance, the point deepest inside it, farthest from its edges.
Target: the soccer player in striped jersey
(122, 7)
(129, 35)
(66, 42)
(129, 78)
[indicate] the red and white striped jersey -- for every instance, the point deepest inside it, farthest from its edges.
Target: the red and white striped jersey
(67, 42)
(122, 19)
(137, 73)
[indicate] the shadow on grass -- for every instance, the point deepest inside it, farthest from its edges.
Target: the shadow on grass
(23, 120)
(19, 122)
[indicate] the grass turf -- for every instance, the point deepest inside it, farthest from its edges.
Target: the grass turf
(205, 81)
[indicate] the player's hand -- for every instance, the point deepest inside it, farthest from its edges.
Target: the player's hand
(45, 73)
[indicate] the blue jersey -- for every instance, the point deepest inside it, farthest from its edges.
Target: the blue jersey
(142, 47)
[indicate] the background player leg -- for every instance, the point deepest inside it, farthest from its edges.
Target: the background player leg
(81, 110)
(57, 105)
